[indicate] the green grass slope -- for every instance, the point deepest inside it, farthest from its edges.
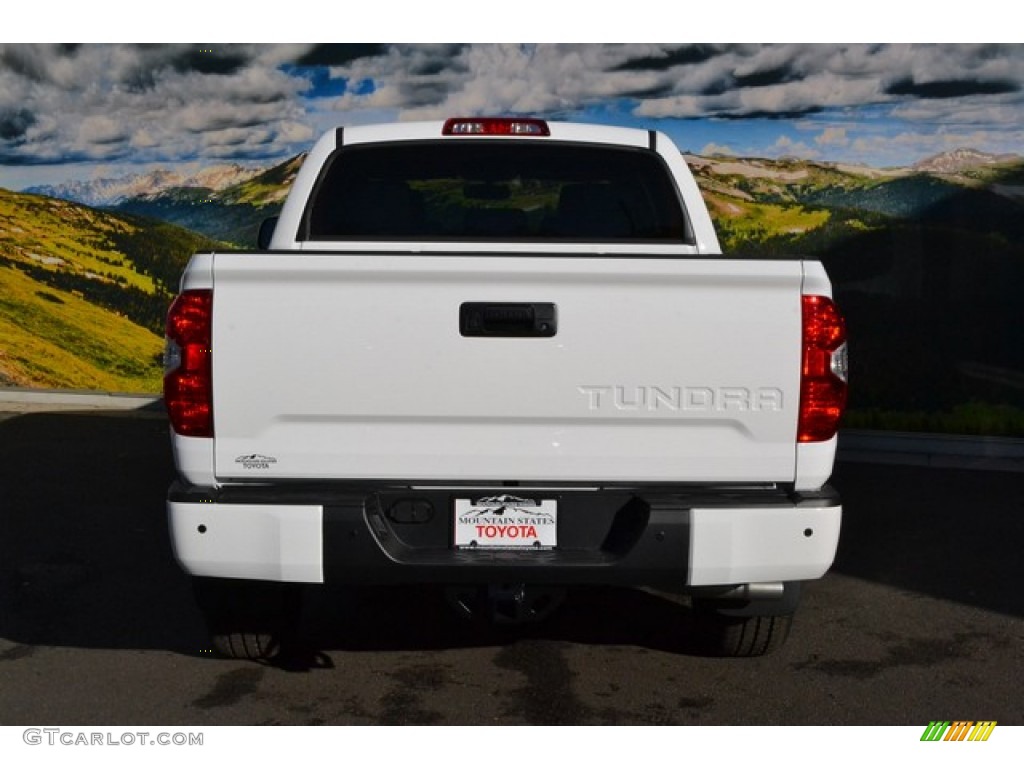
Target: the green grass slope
(83, 294)
(56, 339)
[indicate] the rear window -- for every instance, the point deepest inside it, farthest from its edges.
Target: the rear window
(493, 191)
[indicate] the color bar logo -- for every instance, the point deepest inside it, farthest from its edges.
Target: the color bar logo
(958, 730)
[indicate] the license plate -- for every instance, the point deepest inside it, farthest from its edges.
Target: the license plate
(506, 522)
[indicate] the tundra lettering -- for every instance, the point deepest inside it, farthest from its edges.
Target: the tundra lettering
(698, 399)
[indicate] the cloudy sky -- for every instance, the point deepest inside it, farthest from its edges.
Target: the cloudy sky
(102, 110)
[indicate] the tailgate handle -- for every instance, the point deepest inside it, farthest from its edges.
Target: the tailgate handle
(509, 319)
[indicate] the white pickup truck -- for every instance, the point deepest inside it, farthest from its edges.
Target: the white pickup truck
(505, 356)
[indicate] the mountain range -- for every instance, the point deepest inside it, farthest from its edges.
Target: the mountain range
(962, 160)
(224, 202)
(231, 213)
(228, 180)
(228, 202)
(935, 250)
(766, 207)
(100, 193)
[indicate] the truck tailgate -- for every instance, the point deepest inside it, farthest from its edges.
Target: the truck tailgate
(348, 366)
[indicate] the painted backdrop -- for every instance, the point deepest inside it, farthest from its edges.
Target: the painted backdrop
(900, 166)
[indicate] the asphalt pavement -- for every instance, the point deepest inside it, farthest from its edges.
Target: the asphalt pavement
(921, 618)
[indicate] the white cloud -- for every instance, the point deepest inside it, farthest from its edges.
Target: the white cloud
(100, 129)
(143, 139)
(717, 149)
(145, 103)
(172, 103)
(294, 133)
(786, 147)
(832, 136)
(664, 81)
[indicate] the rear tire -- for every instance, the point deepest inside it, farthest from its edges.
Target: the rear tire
(743, 628)
(737, 637)
(248, 619)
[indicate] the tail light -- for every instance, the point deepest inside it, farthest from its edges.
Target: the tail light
(495, 126)
(188, 371)
(824, 371)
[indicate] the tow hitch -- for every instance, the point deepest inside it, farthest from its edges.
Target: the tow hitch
(515, 603)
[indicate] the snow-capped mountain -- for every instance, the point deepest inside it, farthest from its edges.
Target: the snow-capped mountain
(959, 160)
(108, 192)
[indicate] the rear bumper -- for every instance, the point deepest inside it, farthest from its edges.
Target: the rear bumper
(621, 537)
